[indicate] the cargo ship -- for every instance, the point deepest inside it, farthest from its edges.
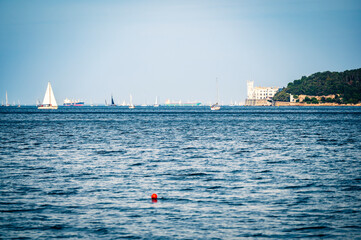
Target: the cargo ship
(73, 103)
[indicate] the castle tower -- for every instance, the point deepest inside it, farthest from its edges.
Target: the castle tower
(250, 89)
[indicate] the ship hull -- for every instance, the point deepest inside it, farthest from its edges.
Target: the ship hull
(74, 104)
(48, 107)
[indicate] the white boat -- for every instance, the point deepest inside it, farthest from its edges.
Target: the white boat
(49, 101)
(131, 105)
(215, 106)
(156, 102)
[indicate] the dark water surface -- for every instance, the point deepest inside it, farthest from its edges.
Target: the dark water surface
(237, 173)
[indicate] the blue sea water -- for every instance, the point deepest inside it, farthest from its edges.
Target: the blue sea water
(241, 172)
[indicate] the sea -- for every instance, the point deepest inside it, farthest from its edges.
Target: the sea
(238, 173)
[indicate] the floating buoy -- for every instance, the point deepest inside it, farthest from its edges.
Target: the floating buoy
(154, 196)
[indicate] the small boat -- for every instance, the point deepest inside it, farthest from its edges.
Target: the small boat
(216, 107)
(131, 105)
(156, 102)
(49, 101)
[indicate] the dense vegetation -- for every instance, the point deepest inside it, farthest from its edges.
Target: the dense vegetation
(345, 85)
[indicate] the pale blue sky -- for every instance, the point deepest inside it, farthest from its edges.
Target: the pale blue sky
(170, 49)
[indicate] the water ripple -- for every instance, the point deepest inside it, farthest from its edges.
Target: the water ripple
(88, 173)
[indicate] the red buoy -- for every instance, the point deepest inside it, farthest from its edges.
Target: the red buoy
(154, 196)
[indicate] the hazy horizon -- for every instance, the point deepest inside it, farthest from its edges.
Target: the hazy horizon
(175, 50)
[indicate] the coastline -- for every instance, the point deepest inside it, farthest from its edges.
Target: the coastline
(281, 104)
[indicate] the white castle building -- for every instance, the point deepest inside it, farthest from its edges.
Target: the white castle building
(259, 96)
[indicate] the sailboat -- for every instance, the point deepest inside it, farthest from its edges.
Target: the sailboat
(131, 105)
(112, 102)
(49, 101)
(156, 102)
(6, 100)
(215, 106)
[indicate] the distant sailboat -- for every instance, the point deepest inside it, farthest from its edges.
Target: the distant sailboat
(49, 101)
(112, 102)
(6, 100)
(156, 102)
(131, 105)
(216, 107)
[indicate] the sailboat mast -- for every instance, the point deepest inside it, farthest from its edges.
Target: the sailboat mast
(217, 91)
(6, 101)
(49, 93)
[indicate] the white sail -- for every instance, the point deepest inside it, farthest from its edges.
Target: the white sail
(217, 91)
(46, 100)
(131, 105)
(6, 102)
(156, 102)
(49, 98)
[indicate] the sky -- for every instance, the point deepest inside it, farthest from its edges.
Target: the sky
(175, 50)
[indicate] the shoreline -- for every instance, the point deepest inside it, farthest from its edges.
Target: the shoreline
(280, 104)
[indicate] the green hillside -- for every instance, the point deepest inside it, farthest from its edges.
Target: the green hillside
(346, 85)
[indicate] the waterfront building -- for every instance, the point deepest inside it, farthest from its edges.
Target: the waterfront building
(259, 96)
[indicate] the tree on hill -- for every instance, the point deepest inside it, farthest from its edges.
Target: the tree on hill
(347, 84)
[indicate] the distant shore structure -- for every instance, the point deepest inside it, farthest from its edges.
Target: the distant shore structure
(259, 96)
(73, 103)
(169, 103)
